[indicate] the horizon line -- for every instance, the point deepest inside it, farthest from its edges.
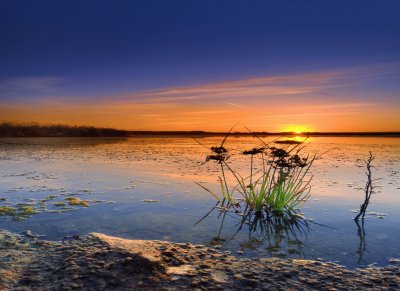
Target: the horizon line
(17, 125)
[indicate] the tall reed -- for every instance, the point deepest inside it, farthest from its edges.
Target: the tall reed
(282, 185)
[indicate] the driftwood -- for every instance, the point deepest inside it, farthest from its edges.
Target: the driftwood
(369, 189)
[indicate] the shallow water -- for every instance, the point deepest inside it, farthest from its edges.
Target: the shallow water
(117, 176)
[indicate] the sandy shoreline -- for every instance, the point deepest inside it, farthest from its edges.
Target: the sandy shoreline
(100, 262)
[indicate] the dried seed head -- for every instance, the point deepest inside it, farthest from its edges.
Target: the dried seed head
(279, 153)
(219, 150)
(219, 158)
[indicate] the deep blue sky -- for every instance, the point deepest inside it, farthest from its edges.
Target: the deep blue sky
(86, 49)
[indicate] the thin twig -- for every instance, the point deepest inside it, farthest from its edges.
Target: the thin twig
(368, 188)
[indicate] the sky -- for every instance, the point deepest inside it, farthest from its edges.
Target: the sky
(283, 65)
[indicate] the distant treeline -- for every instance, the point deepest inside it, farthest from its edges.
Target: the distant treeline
(10, 129)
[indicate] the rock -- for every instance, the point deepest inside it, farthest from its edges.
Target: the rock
(394, 261)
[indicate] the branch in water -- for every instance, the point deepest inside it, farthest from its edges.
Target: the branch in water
(368, 188)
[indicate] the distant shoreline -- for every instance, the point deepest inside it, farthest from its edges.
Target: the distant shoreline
(36, 130)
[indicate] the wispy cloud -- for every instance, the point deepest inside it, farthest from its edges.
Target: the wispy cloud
(269, 88)
(235, 93)
(204, 112)
(234, 104)
(28, 86)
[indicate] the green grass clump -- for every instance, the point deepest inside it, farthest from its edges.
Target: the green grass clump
(278, 181)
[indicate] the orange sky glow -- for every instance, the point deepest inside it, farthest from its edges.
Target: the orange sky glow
(324, 101)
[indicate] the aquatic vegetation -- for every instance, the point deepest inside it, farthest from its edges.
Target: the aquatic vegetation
(266, 200)
(49, 203)
(77, 201)
(281, 186)
(26, 210)
(59, 204)
(19, 213)
(48, 198)
(7, 210)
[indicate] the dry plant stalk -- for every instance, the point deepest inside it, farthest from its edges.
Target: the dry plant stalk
(369, 189)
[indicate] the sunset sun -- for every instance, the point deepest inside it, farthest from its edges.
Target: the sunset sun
(297, 129)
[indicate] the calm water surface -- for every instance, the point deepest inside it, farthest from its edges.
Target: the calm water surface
(117, 175)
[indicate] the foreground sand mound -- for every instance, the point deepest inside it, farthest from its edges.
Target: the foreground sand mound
(98, 262)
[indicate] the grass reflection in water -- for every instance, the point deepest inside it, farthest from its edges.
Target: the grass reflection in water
(280, 235)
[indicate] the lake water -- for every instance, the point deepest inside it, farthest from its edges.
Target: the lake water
(117, 176)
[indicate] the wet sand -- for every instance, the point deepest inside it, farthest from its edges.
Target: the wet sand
(100, 262)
